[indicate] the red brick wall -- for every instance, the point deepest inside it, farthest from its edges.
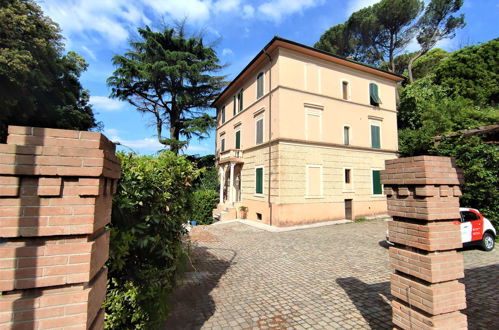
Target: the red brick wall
(56, 190)
(423, 198)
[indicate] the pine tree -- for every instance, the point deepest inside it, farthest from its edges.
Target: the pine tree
(173, 78)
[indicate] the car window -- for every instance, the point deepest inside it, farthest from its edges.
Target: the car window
(469, 216)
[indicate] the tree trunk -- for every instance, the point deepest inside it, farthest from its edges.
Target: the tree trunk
(409, 66)
(174, 132)
(391, 51)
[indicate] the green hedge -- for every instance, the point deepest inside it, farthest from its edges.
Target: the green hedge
(149, 210)
(202, 204)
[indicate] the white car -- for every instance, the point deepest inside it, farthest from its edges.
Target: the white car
(475, 229)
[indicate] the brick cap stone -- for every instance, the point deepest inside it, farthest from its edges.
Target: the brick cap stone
(421, 170)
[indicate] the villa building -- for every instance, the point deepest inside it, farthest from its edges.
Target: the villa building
(302, 136)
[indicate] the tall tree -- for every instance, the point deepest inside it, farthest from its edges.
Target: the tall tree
(395, 18)
(436, 23)
(39, 84)
(374, 34)
(173, 78)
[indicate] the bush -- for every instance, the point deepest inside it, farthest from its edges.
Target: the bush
(146, 254)
(202, 204)
(480, 163)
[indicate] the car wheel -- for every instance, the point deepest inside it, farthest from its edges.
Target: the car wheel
(488, 242)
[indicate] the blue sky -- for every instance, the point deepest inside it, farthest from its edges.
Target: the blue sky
(99, 29)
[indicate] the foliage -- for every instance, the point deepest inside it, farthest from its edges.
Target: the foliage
(39, 85)
(415, 99)
(202, 204)
(208, 178)
(149, 210)
(472, 72)
(436, 23)
(171, 77)
(374, 34)
(480, 162)
(433, 115)
(427, 63)
(453, 97)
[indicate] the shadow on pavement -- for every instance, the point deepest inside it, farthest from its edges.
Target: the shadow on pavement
(371, 300)
(482, 287)
(191, 303)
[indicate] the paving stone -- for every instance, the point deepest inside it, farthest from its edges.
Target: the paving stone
(328, 277)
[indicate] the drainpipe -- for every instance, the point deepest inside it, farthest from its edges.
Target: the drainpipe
(270, 132)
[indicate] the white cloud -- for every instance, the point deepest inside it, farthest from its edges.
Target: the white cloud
(227, 51)
(110, 19)
(354, 5)
(104, 103)
(192, 9)
(194, 149)
(111, 132)
(248, 11)
(226, 5)
(277, 9)
(89, 52)
(142, 146)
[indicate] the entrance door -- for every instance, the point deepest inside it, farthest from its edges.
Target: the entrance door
(348, 209)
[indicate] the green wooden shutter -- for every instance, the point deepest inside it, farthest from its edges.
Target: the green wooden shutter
(373, 94)
(222, 145)
(234, 108)
(375, 137)
(259, 181)
(241, 100)
(377, 183)
(223, 115)
(238, 140)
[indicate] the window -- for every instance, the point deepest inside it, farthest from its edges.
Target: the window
(346, 135)
(238, 139)
(222, 145)
(259, 131)
(373, 95)
(469, 216)
(222, 115)
(375, 136)
(313, 181)
(344, 88)
(240, 100)
(259, 85)
(234, 106)
(377, 189)
(259, 180)
(347, 176)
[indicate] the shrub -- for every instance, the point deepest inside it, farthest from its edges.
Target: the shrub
(480, 163)
(202, 204)
(149, 210)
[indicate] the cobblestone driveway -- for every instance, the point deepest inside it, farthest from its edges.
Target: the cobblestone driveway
(333, 277)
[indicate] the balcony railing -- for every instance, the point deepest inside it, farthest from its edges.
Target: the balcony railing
(231, 154)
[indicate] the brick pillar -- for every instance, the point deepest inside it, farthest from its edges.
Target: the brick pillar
(423, 198)
(56, 190)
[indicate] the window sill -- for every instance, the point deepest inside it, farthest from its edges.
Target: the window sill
(378, 196)
(314, 197)
(259, 195)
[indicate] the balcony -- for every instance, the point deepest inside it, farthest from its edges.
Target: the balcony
(231, 155)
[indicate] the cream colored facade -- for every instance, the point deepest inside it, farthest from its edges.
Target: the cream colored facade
(315, 156)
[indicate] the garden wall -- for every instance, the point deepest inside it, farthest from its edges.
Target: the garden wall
(56, 189)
